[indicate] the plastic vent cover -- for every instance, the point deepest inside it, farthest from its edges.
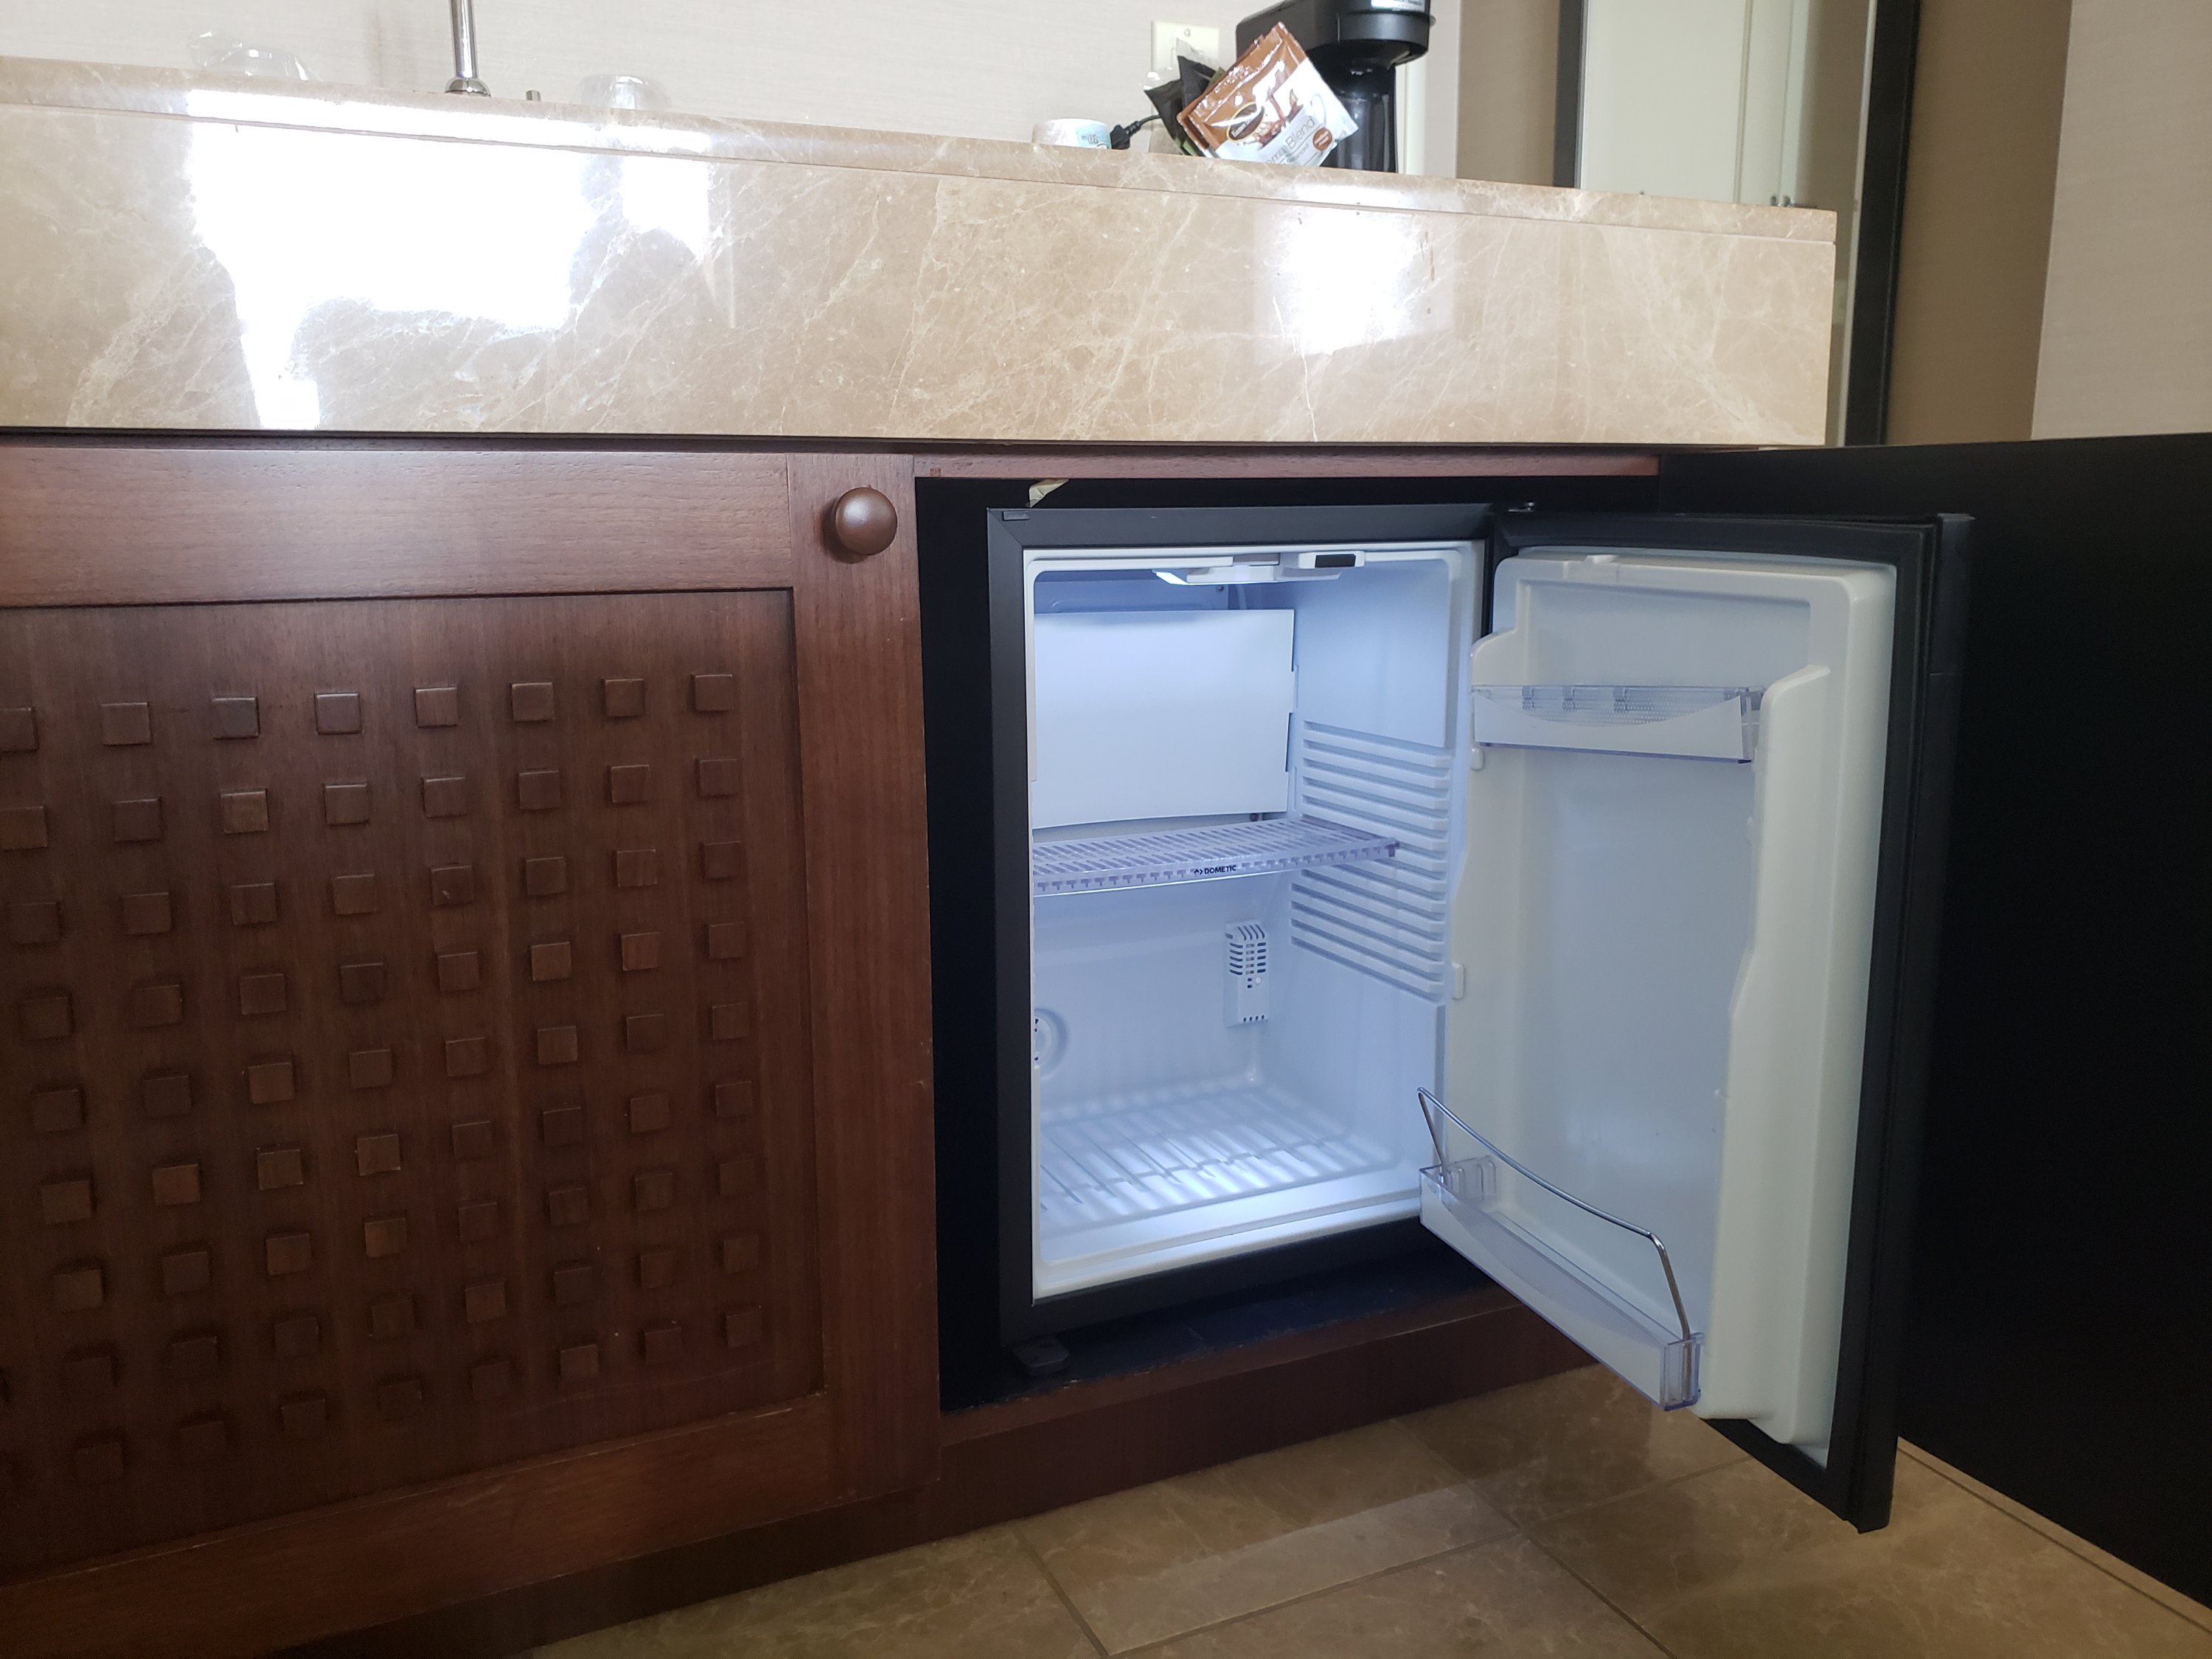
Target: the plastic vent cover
(1244, 993)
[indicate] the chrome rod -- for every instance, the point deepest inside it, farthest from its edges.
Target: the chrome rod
(1436, 1139)
(465, 51)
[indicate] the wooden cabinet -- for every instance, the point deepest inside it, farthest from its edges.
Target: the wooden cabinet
(464, 1093)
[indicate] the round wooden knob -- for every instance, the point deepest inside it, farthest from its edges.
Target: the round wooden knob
(863, 522)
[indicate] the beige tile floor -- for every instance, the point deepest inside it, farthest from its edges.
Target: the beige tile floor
(1564, 1518)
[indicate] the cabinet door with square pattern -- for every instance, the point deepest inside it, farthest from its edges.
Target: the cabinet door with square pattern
(463, 954)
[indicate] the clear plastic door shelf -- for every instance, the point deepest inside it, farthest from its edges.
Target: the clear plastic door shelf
(1696, 722)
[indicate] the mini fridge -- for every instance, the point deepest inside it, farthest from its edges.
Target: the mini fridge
(1562, 885)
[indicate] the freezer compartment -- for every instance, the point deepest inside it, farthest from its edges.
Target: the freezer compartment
(1204, 1086)
(1159, 713)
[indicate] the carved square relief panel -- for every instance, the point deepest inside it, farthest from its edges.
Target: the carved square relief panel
(404, 1008)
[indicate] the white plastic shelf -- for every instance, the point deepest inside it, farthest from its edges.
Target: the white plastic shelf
(1174, 1151)
(1156, 858)
(1697, 722)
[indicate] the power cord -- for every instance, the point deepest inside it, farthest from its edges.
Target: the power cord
(1119, 137)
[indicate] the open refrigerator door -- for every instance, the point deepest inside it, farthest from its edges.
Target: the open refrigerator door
(1665, 913)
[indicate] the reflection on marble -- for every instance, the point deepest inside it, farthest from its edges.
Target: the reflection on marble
(1503, 1599)
(1567, 1442)
(1733, 1563)
(47, 83)
(1166, 1558)
(981, 1596)
(204, 255)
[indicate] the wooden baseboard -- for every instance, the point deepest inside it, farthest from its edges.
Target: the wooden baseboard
(1035, 1454)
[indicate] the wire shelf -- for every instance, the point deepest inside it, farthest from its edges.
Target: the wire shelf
(1157, 858)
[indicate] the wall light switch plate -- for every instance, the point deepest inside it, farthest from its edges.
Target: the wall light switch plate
(1171, 40)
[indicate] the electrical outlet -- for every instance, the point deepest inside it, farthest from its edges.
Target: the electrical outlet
(1171, 40)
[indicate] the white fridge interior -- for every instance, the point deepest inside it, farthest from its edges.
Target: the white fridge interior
(1243, 816)
(1559, 940)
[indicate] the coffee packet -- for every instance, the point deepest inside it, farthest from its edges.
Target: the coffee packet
(1270, 105)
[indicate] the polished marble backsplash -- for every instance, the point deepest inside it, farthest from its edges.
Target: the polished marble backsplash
(221, 254)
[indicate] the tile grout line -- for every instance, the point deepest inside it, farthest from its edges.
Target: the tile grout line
(1312, 1594)
(1618, 1611)
(1596, 1503)
(1511, 1530)
(1645, 1491)
(2079, 1548)
(1097, 1643)
(2066, 1541)
(1549, 1555)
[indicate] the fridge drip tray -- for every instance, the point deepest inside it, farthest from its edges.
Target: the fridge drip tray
(1156, 858)
(1171, 1151)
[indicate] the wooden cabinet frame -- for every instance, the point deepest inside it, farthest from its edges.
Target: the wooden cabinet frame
(129, 522)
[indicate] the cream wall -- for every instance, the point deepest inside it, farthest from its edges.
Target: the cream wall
(2127, 311)
(1509, 74)
(973, 68)
(1663, 97)
(1984, 151)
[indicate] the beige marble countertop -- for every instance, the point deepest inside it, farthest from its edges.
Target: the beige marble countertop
(205, 251)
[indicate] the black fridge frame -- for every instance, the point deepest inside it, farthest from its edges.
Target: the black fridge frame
(1929, 556)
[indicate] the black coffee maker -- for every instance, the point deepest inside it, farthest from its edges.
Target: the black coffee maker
(1358, 46)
